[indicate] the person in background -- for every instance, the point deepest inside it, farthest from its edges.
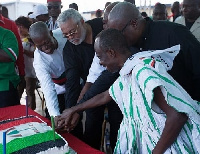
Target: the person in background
(159, 12)
(191, 17)
(176, 10)
(23, 24)
(9, 79)
(144, 14)
(54, 9)
(5, 12)
(107, 3)
(158, 114)
(33, 20)
(73, 6)
(98, 13)
(77, 54)
(10, 25)
(40, 13)
(49, 65)
(130, 1)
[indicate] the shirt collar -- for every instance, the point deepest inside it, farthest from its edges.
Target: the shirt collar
(2, 19)
(145, 33)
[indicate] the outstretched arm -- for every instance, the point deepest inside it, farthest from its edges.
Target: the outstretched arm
(64, 120)
(84, 90)
(173, 125)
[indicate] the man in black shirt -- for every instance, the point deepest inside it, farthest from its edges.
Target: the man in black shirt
(78, 52)
(150, 35)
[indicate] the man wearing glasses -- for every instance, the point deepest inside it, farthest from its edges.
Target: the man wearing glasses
(49, 65)
(54, 9)
(146, 34)
(77, 54)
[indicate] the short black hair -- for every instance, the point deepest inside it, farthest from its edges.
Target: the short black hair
(144, 14)
(159, 5)
(112, 39)
(98, 13)
(24, 21)
(73, 6)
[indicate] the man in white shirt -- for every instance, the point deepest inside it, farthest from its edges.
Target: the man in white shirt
(49, 65)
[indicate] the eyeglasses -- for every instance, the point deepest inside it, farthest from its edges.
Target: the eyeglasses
(71, 33)
(123, 29)
(53, 7)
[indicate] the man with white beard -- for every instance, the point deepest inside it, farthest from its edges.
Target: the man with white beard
(78, 53)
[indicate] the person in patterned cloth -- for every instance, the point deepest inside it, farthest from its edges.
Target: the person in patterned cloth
(158, 114)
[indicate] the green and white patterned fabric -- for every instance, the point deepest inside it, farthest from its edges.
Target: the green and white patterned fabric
(143, 120)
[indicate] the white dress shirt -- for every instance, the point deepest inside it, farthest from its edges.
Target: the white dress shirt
(95, 70)
(48, 66)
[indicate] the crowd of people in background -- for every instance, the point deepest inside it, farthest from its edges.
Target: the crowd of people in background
(142, 69)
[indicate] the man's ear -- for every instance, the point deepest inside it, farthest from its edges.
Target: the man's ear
(61, 6)
(82, 21)
(111, 53)
(134, 23)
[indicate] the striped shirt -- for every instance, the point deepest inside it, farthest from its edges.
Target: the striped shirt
(51, 24)
(143, 120)
(8, 43)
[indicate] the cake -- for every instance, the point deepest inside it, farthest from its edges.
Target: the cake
(30, 135)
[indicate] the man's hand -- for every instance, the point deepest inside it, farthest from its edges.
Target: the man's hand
(74, 122)
(57, 122)
(67, 120)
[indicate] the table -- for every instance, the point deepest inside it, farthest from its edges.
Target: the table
(20, 110)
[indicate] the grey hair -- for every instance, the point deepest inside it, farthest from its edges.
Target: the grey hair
(37, 29)
(124, 11)
(69, 14)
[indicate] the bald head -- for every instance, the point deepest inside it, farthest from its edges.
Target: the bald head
(126, 18)
(124, 11)
(38, 29)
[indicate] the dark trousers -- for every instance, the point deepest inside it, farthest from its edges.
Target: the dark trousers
(95, 116)
(10, 97)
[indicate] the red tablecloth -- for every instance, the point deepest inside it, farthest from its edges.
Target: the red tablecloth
(20, 110)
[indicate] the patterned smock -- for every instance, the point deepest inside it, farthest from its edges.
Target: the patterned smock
(143, 120)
